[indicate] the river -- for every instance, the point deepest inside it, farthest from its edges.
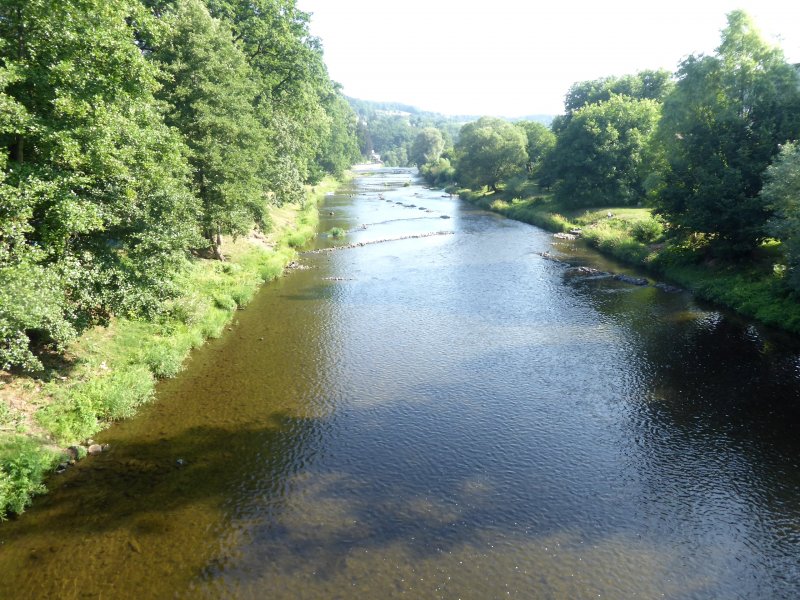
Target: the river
(450, 416)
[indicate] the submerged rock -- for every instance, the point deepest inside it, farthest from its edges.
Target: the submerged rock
(670, 289)
(632, 280)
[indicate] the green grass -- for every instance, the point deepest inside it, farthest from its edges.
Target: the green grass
(115, 368)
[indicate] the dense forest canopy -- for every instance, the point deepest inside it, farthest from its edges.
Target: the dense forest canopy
(137, 132)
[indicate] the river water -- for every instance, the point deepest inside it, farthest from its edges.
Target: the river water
(451, 416)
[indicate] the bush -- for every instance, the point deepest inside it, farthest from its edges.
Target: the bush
(32, 302)
(23, 466)
(336, 233)
(648, 230)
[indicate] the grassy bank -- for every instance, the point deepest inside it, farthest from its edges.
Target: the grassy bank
(755, 287)
(110, 371)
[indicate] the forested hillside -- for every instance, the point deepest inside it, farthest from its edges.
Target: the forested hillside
(139, 132)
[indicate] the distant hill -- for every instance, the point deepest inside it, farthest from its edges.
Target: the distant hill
(543, 119)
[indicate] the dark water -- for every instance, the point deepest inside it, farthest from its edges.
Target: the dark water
(454, 417)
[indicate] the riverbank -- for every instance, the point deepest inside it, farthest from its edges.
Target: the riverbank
(47, 419)
(755, 288)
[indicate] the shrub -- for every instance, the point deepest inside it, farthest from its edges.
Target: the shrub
(336, 232)
(647, 230)
(23, 465)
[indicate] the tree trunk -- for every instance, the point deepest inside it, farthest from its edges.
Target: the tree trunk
(18, 152)
(216, 244)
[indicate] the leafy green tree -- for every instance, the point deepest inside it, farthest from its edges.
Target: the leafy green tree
(292, 84)
(645, 85)
(721, 128)
(439, 173)
(540, 142)
(396, 157)
(781, 193)
(489, 151)
(208, 88)
(427, 147)
(96, 215)
(604, 154)
(339, 150)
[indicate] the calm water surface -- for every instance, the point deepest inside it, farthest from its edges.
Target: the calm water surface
(443, 417)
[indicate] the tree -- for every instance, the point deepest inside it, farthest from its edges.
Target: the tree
(540, 142)
(339, 150)
(781, 193)
(291, 83)
(97, 215)
(489, 151)
(645, 85)
(604, 154)
(427, 147)
(208, 88)
(721, 128)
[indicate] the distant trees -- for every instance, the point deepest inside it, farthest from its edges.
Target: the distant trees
(390, 130)
(722, 126)
(427, 147)
(695, 146)
(488, 151)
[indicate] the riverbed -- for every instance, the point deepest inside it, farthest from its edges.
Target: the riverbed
(439, 411)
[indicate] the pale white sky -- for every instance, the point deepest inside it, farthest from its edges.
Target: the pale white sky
(512, 57)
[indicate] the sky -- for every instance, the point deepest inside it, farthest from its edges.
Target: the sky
(514, 58)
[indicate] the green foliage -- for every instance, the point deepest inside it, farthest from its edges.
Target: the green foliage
(604, 154)
(439, 173)
(613, 237)
(489, 151)
(782, 196)
(79, 411)
(427, 147)
(24, 463)
(647, 230)
(339, 150)
(336, 233)
(645, 85)
(210, 93)
(32, 302)
(722, 126)
(540, 143)
(95, 207)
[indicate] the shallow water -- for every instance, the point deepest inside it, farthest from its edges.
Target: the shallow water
(451, 416)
